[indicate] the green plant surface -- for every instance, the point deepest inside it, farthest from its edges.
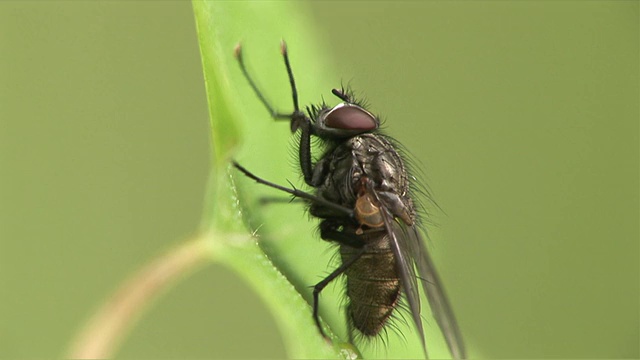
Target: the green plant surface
(233, 111)
(242, 129)
(218, 34)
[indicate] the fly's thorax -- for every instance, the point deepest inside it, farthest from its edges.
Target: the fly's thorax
(370, 155)
(341, 170)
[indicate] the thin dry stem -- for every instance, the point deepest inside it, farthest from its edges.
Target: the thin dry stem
(103, 333)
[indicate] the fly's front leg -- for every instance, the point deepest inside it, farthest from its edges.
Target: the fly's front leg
(298, 119)
(274, 113)
(304, 152)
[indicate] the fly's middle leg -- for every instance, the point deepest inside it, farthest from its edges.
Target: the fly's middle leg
(345, 211)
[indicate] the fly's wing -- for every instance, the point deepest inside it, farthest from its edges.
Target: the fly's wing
(411, 254)
(432, 286)
(404, 262)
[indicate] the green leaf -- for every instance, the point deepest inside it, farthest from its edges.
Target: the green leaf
(241, 129)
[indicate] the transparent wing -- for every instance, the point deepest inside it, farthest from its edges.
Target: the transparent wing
(408, 277)
(432, 286)
(411, 254)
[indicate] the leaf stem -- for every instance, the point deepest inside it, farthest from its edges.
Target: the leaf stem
(102, 334)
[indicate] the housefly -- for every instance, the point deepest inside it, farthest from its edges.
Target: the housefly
(362, 197)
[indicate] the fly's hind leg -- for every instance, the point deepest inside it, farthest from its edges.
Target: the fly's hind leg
(330, 230)
(333, 230)
(322, 284)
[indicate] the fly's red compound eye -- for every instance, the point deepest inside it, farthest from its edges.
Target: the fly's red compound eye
(350, 117)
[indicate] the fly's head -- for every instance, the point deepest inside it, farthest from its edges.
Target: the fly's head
(344, 120)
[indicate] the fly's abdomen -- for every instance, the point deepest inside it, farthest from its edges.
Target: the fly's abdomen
(373, 287)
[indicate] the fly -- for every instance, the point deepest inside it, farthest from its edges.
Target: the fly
(362, 197)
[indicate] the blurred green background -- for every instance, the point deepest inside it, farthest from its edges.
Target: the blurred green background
(524, 116)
